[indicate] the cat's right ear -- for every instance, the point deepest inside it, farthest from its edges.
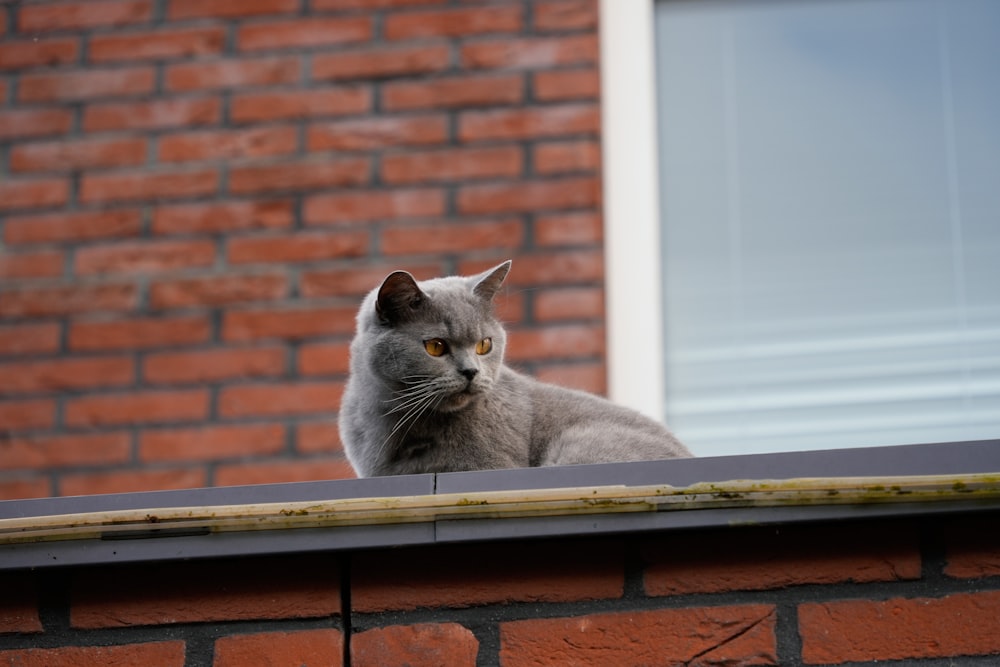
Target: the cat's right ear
(488, 284)
(398, 298)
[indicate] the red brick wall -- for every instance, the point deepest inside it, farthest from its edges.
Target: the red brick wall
(195, 193)
(852, 592)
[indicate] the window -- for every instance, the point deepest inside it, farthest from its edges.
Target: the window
(829, 232)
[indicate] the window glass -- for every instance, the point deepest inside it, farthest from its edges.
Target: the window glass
(830, 189)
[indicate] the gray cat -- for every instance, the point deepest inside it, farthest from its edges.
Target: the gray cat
(429, 392)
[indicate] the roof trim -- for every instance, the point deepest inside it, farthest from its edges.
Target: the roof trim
(422, 509)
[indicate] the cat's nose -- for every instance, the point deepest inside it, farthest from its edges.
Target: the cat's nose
(469, 373)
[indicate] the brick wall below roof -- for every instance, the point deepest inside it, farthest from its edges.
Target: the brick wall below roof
(920, 591)
(194, 195)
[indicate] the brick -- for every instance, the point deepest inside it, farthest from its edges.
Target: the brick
(20, 339)
(456, 164)
(131, 481)
(374, 133)
(25, 193)
(313, 437)
(15, 55)
(194, 9)
(382, 62)
(565, 15)
(86, 84)
(161, 654)
(566, 157)
(453, 237)
(549, 121)
(699, 637)
(420, 645)
(156, 44)
(48, 301)
(232, 73)
(145, 407)
(199, 366)
(453, 92)
(294, 248)
(84, 15)
(574, 303)
(78, 154)
(566, 85)
(466, 576)
(144, 256)
(899, 628)
(286, 323)
(53, 451)
(31, 123)
(19, 605)
(560, 229)
(27, 414)
(37, 264)
(283, 472)
(563, 267)
(300, 647)
(98, 188)
(560, 268)
(972, 550)
(342, 5)
(793, 557)
(368, 206)
(152, 115)
(358, 281)
(555, 342)
(260, 107)
(278, 399)
(32, 487)
(217, 290)
(66, 374)
(453, 22)
(591, 377)
(529, 196)
(530, 52)
(72, 227)
(222, 217)
(211, 442)
(323, 359)
(227, 144)
(139, 333)
(299, 33)
(304, 175)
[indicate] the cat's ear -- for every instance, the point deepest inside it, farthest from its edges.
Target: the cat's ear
(488, 283)
(398, 298)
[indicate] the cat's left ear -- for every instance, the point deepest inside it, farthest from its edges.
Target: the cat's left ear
(488, 283)
(398, 298)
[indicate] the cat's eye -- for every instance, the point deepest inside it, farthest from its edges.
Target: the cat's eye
(484, 346)
(435, 347)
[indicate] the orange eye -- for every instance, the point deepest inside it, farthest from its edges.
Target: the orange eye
(484, 346)
(435, 347)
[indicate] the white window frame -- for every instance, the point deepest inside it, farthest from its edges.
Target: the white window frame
(633, 275)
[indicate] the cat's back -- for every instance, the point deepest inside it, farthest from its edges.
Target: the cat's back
(570, 426)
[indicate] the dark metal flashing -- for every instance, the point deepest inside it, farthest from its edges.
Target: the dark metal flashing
(932, 459)
(936, 459)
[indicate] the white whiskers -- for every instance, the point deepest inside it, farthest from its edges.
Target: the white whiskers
(423, 393)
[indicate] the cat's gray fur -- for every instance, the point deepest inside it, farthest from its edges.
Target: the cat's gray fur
(405, 411)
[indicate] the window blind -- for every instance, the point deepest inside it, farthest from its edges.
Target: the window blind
(830, 187)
